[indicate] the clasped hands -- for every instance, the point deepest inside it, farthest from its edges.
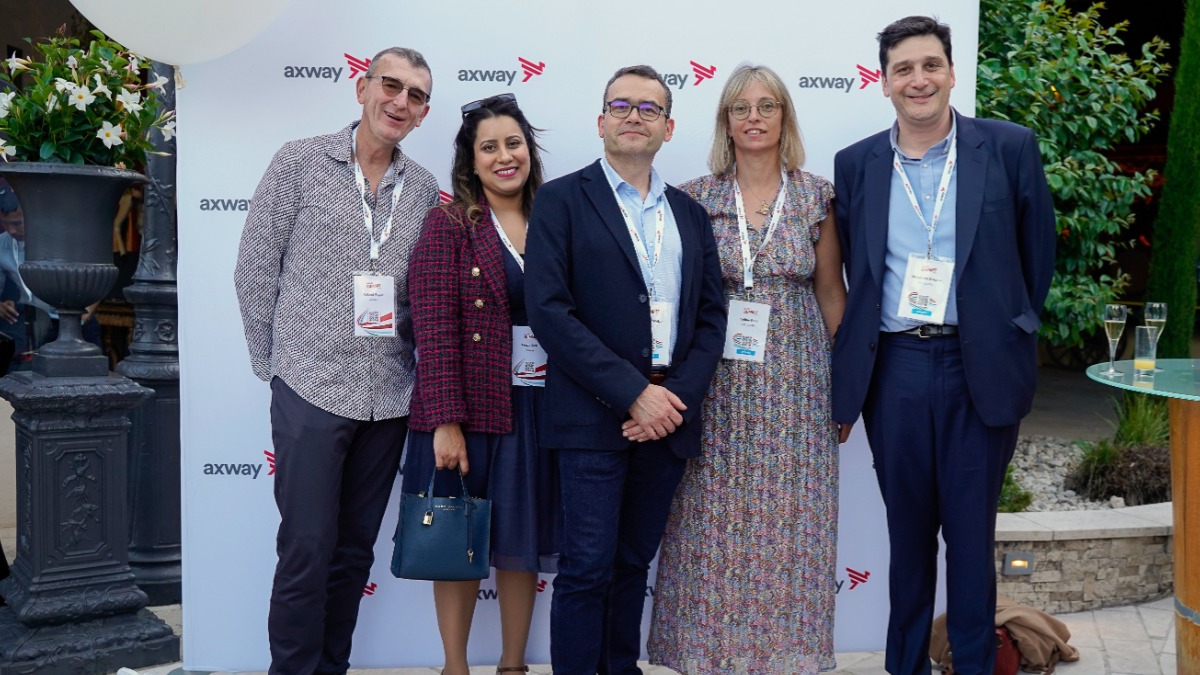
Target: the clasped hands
(654, 415)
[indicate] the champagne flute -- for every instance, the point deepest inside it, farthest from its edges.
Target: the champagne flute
(1156, 318)
(1114, 325)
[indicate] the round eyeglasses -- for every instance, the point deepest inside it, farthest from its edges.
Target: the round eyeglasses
(768, 108)
(648, 111)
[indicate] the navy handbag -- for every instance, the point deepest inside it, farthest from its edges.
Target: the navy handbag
(442, 538)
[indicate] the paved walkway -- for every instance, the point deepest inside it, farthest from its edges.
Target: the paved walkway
(1137, 640)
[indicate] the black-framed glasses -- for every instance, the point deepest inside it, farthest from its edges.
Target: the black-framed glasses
(768, 108)
(471, 107)
(393, 88)
(647, 110)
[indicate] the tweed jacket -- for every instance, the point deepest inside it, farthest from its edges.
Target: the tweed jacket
(303, 239)
(462, 325)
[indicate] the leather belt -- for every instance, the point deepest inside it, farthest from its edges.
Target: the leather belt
(658, 376)
(930, 330)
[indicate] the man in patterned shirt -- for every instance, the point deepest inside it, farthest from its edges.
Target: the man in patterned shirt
(321, 280)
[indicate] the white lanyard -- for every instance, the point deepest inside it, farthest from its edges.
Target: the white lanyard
(368, 215)
(743, 227)
(660, 220)
(507, 242)
(943, 191)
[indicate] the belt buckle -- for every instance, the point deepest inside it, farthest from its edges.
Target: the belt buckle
(925, 331)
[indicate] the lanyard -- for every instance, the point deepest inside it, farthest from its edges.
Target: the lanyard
(368, 215)
(507, 242)
(743, 227)
(660, 220)
(943, 190)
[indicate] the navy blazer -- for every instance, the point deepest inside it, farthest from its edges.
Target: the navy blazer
(1004, 261)
(588, 305)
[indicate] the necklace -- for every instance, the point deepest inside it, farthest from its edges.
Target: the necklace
(765, 207)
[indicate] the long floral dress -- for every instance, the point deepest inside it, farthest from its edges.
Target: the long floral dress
(746, 573)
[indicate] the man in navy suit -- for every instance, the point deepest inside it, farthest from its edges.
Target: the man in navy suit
(623, 288)
(947, 232)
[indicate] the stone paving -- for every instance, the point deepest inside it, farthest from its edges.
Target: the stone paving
(1134, 640)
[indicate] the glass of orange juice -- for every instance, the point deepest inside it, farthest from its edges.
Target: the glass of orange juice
(1144, 350)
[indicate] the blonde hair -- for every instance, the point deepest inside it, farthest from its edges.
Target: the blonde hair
(791, 145)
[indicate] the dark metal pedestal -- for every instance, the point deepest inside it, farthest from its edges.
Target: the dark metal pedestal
(73, 606)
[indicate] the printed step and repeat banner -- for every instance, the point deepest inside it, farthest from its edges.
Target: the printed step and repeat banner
(297, 79)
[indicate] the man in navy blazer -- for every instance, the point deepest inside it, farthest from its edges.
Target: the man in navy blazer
(947, 232)
(623, 289)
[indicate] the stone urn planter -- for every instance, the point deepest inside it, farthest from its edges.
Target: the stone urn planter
(68, 251)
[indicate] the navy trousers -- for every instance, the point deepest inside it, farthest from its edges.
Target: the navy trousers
(939, 467)
(615, 506)
(333, 478)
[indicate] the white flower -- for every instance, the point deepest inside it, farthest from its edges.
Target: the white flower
(72, 63)
(5, 102)
(133, 66)
(15, 64)
(81, 98)
(51, 103)
(110, 135)
(62, 85)
(100, 88)
(131, 100)
(168, 130)
(158, 82)
(104, 64)
(7, 150)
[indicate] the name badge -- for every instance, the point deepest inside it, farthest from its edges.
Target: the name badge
(926, 289)
(528, 359)
(746, 332)
(662, 321)
(374, 305)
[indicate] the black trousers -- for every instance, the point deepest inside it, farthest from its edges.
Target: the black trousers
(333, 478)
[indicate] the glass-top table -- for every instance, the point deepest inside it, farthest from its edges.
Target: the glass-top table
(1180, 382)
(1180, 378)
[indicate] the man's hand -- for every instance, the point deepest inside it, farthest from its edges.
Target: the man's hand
(9, 312)
(450, 448)
(844, 431)
(655, 414)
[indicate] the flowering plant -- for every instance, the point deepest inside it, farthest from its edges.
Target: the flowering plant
(80, 105)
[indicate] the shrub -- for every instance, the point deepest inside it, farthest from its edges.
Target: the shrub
(1013, 497)
(1135, 462)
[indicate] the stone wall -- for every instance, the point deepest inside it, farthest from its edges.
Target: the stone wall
(1074, 575)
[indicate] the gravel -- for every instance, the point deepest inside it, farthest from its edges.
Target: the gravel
(1041, 464)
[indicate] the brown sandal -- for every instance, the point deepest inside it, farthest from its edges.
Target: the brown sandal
(512, 669)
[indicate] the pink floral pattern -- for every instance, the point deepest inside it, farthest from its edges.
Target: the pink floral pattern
(746, 575)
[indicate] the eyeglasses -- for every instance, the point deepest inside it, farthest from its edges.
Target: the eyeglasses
(393, 88)
(741, 108)
(471, 107)
(647, 110)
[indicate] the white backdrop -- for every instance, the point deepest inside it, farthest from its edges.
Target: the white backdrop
(297, 79)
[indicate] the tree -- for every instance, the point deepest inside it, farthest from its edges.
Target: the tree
(1173, 256)
(1066, 76)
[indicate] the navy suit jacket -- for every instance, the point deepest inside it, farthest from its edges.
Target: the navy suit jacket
(589, 307)
(1004, 260)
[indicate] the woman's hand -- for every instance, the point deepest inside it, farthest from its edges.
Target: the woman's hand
(450, 448)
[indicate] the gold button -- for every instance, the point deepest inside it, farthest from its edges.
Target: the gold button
(474, 271)
(479, 302)
(476, 337)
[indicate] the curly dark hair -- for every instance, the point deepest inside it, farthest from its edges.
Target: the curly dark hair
(912, 26)
(467, 188)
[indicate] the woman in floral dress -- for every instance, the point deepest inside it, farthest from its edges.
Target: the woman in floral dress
(746, 575)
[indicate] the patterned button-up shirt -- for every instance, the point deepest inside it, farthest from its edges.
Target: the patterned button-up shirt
(303, 240)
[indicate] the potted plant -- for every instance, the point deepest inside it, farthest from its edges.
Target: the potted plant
(74, 125)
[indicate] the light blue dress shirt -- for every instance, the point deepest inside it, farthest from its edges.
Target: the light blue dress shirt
(666, 277)
(906, 232)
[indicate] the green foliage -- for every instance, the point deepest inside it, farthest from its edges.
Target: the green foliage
(1173, 257)
(79, 105)
(1067, 76)
(1013, 498)
(1135, 462)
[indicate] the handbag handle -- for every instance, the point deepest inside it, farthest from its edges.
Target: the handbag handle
(469, 506)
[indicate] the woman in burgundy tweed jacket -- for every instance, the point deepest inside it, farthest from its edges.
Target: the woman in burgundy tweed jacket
(480, 371)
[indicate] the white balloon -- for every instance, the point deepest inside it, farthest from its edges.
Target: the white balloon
(181, 31)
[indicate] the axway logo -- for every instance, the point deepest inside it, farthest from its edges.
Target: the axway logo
(865, 75)
(856, 579)
(702, 72)
(213, 204)
(528, 67)
(369, 589)
(249, 470)
(445, 197)
(356, 66)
